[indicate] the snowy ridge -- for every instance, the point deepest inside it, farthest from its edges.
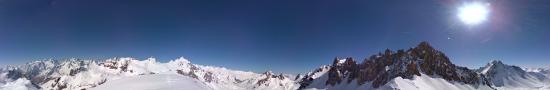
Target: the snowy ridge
(496, 75)
(418, 68)
(413, 69)
(315, 79)
(320, 76)
(75, 74)
(421, 68)
(508, 77)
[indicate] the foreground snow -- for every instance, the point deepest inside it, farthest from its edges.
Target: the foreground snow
(424, 82)
(154, 82)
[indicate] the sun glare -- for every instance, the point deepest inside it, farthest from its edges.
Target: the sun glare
(473, 13)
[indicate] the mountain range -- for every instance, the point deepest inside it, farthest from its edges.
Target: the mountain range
(417, 68)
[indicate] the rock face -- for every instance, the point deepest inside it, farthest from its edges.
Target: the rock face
(268, 76)
(381, 68)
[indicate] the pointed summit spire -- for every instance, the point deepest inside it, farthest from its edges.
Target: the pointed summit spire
(496, 62)
(335, 61)
(424, 44)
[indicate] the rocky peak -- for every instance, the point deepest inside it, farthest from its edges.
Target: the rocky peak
(381, 68)
(341, 68)
(497, 66)
(496, 62)
(424, 46)
(335, 61)
(268, 73)
(497, 72)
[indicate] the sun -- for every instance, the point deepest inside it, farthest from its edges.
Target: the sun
(473, 13)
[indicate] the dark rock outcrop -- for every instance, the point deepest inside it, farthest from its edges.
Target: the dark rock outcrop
(269, 75)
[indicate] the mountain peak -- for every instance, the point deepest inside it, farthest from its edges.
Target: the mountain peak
(424, 44)
(268, 73)
(491, 66)
(380, 69)
(496, 62)
(80, 74)
(498, 73)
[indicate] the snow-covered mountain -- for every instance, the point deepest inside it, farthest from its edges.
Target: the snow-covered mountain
(417, 68)
(420, 68)
(545, 71)
(78, 74)
(508, 77)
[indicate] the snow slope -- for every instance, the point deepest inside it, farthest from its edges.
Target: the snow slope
(424, 82)
(154, 82)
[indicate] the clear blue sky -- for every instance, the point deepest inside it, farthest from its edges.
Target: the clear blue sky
(290, 36)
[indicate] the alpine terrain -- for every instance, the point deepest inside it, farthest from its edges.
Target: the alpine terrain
(418, 68)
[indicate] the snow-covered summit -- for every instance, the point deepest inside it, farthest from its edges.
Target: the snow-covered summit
(76, 74)
(503, 76)
(497, 65)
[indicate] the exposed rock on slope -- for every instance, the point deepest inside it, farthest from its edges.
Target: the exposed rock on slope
(377, 70)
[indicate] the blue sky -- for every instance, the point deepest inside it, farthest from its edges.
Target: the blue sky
(291, 36)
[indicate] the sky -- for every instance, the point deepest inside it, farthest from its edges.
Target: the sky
(289, 36)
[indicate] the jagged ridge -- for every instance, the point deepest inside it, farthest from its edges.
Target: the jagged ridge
(76, 74)
(379, 69)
